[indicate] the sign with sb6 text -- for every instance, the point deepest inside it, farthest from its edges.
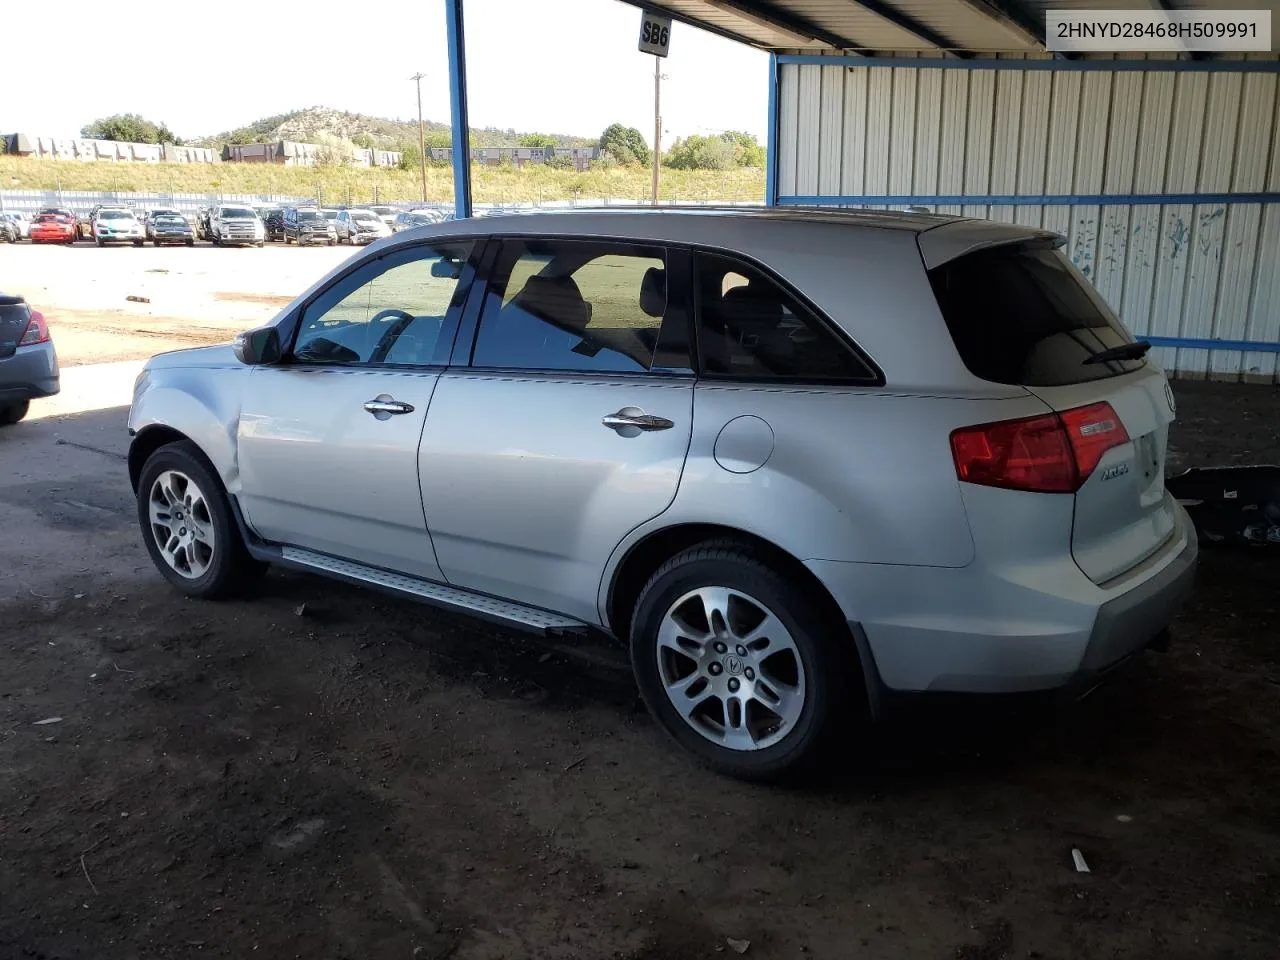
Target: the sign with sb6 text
(655, 34)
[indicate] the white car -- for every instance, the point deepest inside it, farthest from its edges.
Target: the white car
(236, 224)
(117, 225)
(359, 227)
(22, 221)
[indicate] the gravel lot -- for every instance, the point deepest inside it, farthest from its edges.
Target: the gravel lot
(323, 772)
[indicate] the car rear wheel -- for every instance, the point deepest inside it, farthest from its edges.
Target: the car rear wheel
(14, 412)
(190, 241)
(738, 664)
(188, 527)
(101, 242)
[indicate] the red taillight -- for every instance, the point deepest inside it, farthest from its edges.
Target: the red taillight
(1092, 430)
(1054, 453)
(37, 330)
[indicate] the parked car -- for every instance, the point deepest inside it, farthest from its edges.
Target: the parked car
(117, 225)
(202, 223)
(386, 214)
(28, 361)
(273, 225)
(9, 231)
(359, 227)
(303, 225)
(54, 225)
(408, 219)
(797, 461)
(169, 226)
(22, 221)
(233, 224)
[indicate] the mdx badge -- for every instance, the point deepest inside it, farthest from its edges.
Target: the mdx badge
(1117, 470)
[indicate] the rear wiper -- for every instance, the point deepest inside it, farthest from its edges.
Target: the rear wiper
(1126, 351)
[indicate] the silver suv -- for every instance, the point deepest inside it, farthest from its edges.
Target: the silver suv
(793, 459)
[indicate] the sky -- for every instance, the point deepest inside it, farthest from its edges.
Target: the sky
(553, 66)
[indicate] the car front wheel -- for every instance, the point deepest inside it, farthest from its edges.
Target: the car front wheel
(188, 527)
(737, 662)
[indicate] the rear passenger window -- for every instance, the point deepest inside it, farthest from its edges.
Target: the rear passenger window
(575, 305)
(750, 328)
(1024, 315)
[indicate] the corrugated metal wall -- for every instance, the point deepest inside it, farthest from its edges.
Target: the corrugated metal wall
(1188, 270)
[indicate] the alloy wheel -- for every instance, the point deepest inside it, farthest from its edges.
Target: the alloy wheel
(731, 668)
(181, 524)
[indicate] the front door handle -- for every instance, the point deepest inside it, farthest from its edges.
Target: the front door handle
(632, 421)
(384, 406)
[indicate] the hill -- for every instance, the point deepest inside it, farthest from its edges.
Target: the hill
(304, 125)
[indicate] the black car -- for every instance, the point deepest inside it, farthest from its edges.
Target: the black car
(169, 226)
(308, 225)
(274, 223)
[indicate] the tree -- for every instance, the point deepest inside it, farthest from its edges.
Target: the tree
(128, 128)
(363, 140)
(733, 148)
(332, 150)
(624, 144)
(537, 140)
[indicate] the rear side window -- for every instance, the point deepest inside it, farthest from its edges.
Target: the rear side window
(1025, 315)
(750, 328)
(585, 306)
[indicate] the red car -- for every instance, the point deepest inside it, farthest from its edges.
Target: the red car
(54, 225)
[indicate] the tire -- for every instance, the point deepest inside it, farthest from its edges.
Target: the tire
(796, 696)
(332, 242)
(138, 243)
(101, 242)
(190, 241)
(14, 412)
(260, 244)
(212, 573)
(156, 242)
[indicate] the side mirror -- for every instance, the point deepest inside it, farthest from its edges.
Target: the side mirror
(258, 347)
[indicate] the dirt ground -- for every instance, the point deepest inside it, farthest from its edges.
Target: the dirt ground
(320, 772)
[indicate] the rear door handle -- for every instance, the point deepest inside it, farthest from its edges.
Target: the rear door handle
(630, 421)
(384, 406)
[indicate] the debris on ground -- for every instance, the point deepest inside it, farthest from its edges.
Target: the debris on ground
(1078, 858)
(1231, 504)
(737, 946)
(134, 298)
(46, 721)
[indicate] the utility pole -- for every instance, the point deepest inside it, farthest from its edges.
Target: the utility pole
(657, 123)
(422, 136)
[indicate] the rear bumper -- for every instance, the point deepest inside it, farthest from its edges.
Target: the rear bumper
(31, 373)
(1039, 627)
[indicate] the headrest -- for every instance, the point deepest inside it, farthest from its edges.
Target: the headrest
(557, 300)
(653, 291)
(754, 300)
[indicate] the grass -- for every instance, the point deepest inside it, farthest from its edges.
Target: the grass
(358, 185)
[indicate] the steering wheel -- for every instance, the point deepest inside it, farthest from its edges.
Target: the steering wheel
(388, 339)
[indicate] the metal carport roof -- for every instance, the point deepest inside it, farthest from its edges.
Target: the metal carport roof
(960, 28)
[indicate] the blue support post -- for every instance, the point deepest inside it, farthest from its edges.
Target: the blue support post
(771, 138)
(458, 111)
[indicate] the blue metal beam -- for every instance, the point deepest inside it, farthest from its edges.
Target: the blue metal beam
(1017, 200)
(458, 110)
(771, 143)
(1198, 343)
(1082, 66)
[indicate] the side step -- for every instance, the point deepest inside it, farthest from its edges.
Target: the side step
(505, 612)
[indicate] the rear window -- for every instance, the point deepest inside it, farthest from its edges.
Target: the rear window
(1025, 315)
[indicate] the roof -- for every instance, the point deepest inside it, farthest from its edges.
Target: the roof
(939, 27)
(584, 219)
(762, 232)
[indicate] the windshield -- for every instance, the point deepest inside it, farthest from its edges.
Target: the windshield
(1024, 315)
(364, 216)
(330, 214)
(237, 213)
(382, 211)
(114, 215)
(308, 215)
(168, 218)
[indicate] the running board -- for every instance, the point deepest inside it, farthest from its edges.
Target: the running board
(505, 612)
